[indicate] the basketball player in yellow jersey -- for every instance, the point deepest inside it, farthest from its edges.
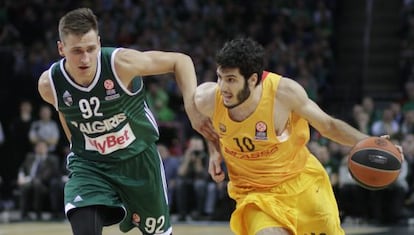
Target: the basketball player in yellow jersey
(263, 123)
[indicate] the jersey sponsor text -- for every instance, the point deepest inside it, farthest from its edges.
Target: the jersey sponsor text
(100, 126)
(251, 155)
(108, 143)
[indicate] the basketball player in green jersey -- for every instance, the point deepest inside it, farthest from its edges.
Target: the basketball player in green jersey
(116, 174)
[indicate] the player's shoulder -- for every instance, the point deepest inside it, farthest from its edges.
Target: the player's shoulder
(44, 81)
(124, 53)
(45, 87)
(44, 78)
(287, 85)
(206, 89)
(126, 57)
(204, 94)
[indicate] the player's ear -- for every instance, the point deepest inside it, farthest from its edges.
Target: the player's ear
(253, 80)
(60, 48)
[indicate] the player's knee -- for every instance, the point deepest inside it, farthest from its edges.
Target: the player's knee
(273, 231)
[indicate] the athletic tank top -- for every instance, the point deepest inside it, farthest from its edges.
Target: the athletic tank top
(108, 122)
(254, 155)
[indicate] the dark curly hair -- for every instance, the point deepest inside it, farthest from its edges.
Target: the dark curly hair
(243, 53)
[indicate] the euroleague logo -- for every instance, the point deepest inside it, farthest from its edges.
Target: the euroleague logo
(261, 126)
(261, 131)
(110, 90)
(108, 84)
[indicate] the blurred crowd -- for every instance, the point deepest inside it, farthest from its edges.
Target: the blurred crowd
(389, 206)
(297, 36)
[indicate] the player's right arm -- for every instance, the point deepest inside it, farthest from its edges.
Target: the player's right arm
(204, 101)
(204, 98)
(46, 92)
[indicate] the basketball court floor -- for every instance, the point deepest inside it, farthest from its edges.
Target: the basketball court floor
(190, 228)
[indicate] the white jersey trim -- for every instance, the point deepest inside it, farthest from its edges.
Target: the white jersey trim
(52, 84)
(126, 90)
(95, 79)
(151, 117)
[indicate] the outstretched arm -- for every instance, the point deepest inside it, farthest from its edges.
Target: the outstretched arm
(293, 95)
(130, 63)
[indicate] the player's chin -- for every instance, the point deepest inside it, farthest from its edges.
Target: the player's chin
(227, 102)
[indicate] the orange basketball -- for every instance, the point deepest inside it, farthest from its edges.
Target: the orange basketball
(374, 163)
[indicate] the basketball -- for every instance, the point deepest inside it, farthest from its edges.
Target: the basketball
(374, 163)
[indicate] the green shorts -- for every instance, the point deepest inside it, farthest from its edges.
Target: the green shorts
(136, 184)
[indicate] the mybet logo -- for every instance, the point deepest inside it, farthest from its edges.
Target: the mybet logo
(108, 143)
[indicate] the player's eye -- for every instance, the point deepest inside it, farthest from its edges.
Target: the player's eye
(231, 80)
(91, 49)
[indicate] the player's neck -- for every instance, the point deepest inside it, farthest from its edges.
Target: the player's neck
(81, 79)
(245, 109)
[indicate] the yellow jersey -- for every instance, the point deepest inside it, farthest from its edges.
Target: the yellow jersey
(255, 156)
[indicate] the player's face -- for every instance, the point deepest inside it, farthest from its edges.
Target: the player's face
(233, 87)
(80, 53)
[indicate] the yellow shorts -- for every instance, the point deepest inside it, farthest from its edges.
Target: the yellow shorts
(303, 205)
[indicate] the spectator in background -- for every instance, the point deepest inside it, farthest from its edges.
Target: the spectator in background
(192, 179)
(336, 152)
(57, 185)
(407, 125)
(353, 200)
(219, 205)
(336, 155)
(171, 164)
(368, 105)
(387, 205)
(387, 125)
(19, 143)
(19, 131)
(37, 172)
(331, 165)
(360, 119)
(408, 103)
(408, 146)
(45, 129)
(397, 113)
(158, 101)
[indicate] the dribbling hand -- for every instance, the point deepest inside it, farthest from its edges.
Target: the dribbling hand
(399, 147)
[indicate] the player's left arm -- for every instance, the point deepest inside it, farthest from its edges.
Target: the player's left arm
(130, 63)
(293, 95)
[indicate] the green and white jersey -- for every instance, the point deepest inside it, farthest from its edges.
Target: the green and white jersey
(108, 122)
